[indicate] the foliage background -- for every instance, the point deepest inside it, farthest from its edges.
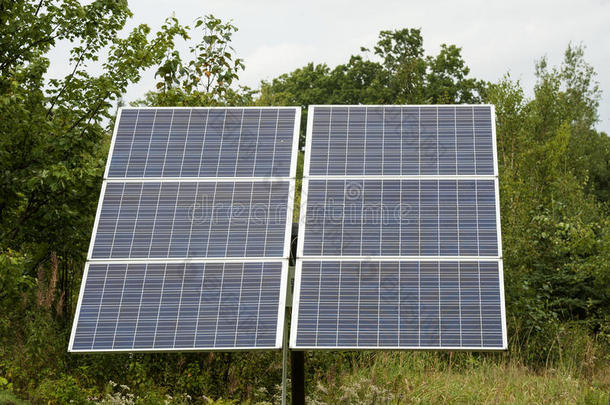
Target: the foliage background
(54, 137)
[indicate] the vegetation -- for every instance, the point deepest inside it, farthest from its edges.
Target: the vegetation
(54, 136)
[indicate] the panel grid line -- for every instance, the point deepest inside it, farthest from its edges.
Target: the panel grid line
(192, 218)
(241, 126)
(137, 323)
(169, 134)
(222, 280)
(440, 334)
(116, 224)
(205, 131)
(267, 222)
(199, 309)
(231, 216)
(480, 303)
(119, 311)
(260, 297)
(419, 304)
(136, 220)
(152, 128)
(378, 305)
(154, 226)
(222, 133)
(241, 285)
(474, 143)
(171, 232)
(133, 137)
(359, 304)
(249, 220)
(338, 305)
(188, 128)
(159, 306)
(179, 305)
(97, 321)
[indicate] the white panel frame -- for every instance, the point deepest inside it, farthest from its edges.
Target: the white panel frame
(303, 215)
(499, 226)
(287, 238)
(295, 142)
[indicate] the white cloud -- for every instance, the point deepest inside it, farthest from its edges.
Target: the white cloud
(267, 62)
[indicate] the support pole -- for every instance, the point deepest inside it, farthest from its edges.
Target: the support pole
(285, 361)
(297, 359)
(297, 363)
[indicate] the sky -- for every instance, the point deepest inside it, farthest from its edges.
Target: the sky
(496, 37)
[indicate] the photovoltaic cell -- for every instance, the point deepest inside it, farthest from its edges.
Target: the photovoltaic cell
(399, 304)
(401, 140)
(191, 240)
(179, 306)
(399, 246)
(401, 218)
(203, 142)
(170, 219)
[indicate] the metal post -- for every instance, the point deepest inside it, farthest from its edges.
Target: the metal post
(297, 363)
(285, 361)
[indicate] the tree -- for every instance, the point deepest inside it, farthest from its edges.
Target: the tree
(556, 233)
(400, 73)
(207, 78)
(54, 131)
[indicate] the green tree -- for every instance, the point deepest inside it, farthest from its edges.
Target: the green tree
(54, 138)
(554, 214)
(397, 73)
(207, 78)
(54, 133)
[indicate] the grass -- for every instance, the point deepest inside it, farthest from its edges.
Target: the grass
(411, 378)
(7, 398)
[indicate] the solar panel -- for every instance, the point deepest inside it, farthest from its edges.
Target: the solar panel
(180, 306)
(399, 304)
(401, 140)
(204, 142)
(400, 239)
(193, 220)
(191, 239)
(400, 218)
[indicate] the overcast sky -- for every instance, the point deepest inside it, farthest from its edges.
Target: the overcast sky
(496, 37)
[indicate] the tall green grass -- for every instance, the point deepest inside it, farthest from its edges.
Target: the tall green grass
(430, 378)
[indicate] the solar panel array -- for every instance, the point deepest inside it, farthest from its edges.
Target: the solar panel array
(191, 239)
(399, 244)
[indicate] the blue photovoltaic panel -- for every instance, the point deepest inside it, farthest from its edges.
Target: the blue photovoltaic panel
(401, 140)
(399, 244)
(401, 218)
(191, 240)
(400, 304)
(140, 220)
(179, 306)
(203, 142)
